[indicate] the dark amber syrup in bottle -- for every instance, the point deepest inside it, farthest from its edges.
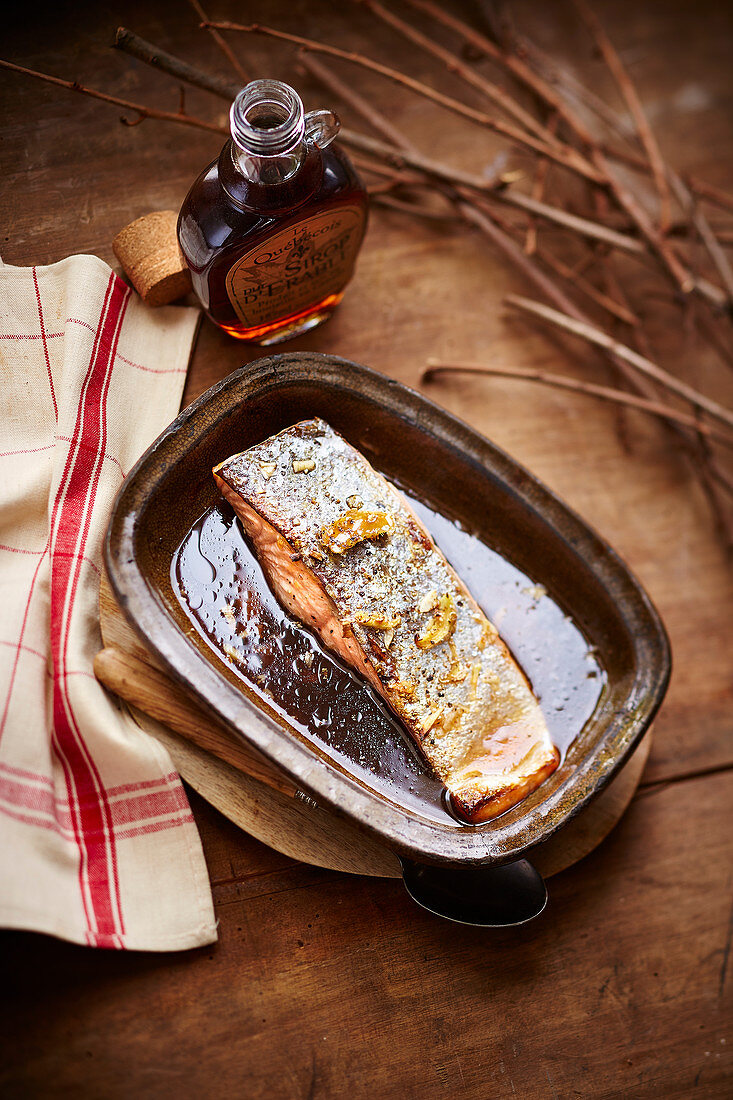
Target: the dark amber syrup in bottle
(271, 230)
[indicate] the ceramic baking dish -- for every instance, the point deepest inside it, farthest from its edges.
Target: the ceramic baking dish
(457, 472)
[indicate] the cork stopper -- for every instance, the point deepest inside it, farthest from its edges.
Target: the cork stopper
(149, 253)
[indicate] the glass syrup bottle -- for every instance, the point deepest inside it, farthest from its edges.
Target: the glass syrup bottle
(271, 229)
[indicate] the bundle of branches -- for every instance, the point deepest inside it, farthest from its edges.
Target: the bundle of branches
(636, 207)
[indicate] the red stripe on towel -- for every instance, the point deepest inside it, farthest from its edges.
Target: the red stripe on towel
(88, 802)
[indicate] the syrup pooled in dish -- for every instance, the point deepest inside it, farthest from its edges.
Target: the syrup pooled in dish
(346, 555)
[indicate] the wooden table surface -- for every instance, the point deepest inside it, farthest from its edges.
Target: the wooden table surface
(325, 985)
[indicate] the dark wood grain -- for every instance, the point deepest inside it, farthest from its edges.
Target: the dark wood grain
(323, 985)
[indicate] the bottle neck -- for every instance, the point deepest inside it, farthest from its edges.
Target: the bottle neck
(267, 124)
(251, 193)
(272, 137)
(268, 170)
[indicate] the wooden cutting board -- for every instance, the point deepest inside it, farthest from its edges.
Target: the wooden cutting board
(264, 801)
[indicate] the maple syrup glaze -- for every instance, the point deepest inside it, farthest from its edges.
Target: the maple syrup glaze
(223, 591)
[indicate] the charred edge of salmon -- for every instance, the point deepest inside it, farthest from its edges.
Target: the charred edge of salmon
(476, 805)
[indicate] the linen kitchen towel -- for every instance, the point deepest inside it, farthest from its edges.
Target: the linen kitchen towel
(97, 841)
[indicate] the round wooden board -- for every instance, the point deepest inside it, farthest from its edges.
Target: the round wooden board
(311, 833)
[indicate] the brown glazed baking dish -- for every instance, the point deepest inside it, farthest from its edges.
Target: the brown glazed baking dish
(460, 474)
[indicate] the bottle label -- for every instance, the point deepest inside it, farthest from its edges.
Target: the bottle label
(296, 267)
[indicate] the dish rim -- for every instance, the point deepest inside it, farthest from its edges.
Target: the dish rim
(403, 830)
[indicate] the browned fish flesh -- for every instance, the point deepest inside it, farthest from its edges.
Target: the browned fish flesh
(347, 556)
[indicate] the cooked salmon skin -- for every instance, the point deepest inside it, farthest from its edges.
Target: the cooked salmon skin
(347, 556)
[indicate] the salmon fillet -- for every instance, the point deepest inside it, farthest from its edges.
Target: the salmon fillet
(347, 556)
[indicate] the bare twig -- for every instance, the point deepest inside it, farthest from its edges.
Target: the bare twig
(524, 73)
(701, 224)
(640, 363)
(713, 337)
(679, 228)
(711, 292)
(414, 209)
(674, 268)
(530, 269)
(723, 479)
(140, 109)
(626, 156)
(220, 41)
(395, 137)
(723, 233)
(564, 155)
(508, 60)
(407, 155)
(374, 190)
(605, 301)
(132, 44)
(712, 194)
(455, 65)
(399, 175)
(612, 287)
(628, 91)
(694, 447)
(527, 266)
(538, 192)
(590, 389)
(712, 239)
(402, 156)
(348, 94)
(593, 229)
(572, 88)
(588, 99)
(712, 482)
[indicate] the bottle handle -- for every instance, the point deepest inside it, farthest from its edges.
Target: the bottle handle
(321, 128)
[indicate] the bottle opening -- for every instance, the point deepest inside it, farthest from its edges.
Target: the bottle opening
(267, 118)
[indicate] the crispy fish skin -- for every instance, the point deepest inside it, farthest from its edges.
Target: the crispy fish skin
(347, 556)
